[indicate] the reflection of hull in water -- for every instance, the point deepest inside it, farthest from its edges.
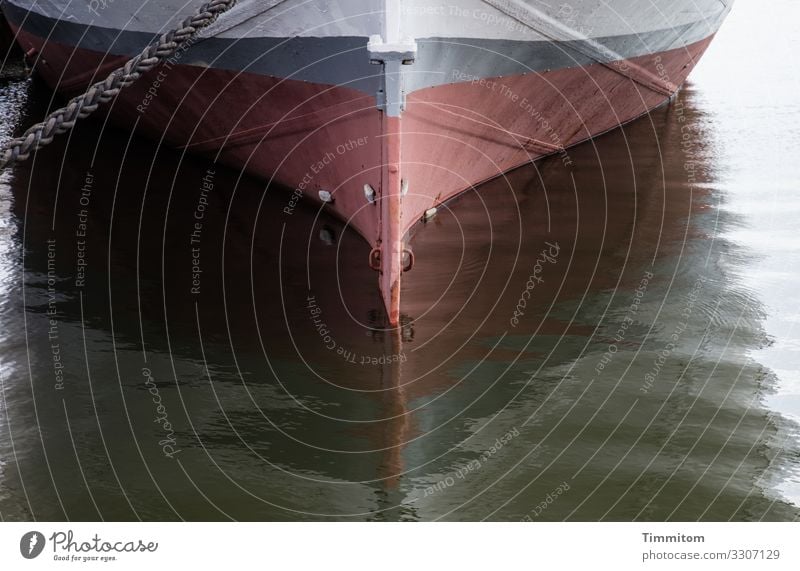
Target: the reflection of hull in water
(249, 315)
(249, 411)
(492, 85)
(6, 37)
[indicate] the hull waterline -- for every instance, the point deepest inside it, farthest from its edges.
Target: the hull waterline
(392, 109)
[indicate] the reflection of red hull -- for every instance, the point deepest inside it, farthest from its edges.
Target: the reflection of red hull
(313, 137)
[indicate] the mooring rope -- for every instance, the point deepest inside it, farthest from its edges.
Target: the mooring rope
(64, 119)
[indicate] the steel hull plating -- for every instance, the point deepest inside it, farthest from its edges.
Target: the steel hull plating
(320, 100)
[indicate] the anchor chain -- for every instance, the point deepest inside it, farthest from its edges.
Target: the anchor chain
(64, 119)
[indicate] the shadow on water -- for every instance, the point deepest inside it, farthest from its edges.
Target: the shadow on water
(576, 345)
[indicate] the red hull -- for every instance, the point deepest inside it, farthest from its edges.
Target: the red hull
(6, 37)
(311, 137)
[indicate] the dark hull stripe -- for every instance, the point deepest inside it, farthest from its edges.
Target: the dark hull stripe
(344, 60)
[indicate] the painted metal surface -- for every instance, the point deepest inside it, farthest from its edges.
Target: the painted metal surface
(6, 38)
(424, 97)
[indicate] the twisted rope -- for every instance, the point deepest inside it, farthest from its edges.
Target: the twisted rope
(64, 119)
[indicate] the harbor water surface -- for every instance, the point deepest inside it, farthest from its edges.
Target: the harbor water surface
(605, 335)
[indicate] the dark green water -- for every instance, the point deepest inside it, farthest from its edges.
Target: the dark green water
(652, 373)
